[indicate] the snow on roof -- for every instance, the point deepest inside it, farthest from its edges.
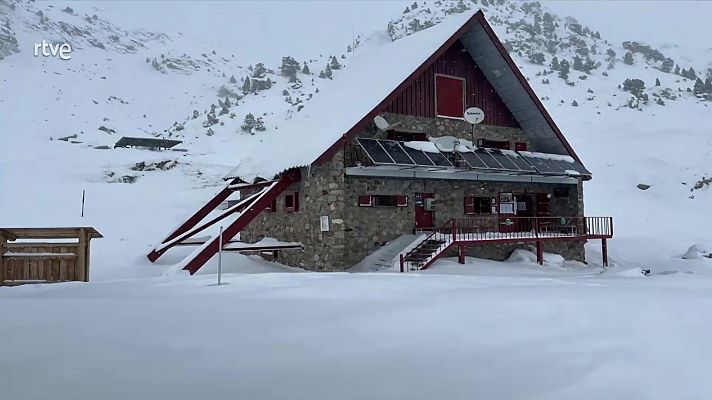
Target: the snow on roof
(377, 67)
(547, 156)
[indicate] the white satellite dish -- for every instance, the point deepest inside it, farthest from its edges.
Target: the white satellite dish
(474, 115)
(449, 144)
(381, 123)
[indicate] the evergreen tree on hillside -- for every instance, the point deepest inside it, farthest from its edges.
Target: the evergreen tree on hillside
(628, 58)
(289, 68)
(564, 68)
(555, 63)
(335, 63)
(247, 85)
(259, 71)
(699, 87)
(667, 65)
(657, 82)
(677, 69)
(305, 69)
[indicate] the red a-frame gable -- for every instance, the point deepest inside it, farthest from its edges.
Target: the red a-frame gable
(454, 66)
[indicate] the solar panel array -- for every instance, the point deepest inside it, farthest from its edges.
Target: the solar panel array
(392, 152)
(552, 166)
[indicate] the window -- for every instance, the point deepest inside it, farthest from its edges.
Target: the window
(494, 144)
(272, 207)
(478, 205)
(407, 136)
(383, 201)
(449, 96)
(291, 202)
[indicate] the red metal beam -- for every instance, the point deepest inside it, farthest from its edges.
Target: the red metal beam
(197, 217)
(259, 204)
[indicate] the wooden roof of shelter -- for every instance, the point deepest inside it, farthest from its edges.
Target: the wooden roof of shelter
(127, 141)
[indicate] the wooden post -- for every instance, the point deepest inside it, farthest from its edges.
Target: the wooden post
(461, 254)
(402, 269)
(81, 262)
(539, 253)
(604, 251)
(2, 265)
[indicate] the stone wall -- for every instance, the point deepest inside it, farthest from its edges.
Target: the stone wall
(321, 192)
(455, 127)
(367, 227)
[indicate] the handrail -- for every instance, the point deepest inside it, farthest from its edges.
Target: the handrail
(495, 228)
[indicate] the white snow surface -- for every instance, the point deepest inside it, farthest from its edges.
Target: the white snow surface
(376, 69)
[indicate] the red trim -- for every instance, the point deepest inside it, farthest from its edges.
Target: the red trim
(251, 211)
(479, 18)
(199, 215)
(365, 201)
(401, 201)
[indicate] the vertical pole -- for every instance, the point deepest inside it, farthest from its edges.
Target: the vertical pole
(80, 263)
(461, 254)
(220, 248)
(402, 267)
(2, 265)
(539, 253)
(83, 195)
(604, 251)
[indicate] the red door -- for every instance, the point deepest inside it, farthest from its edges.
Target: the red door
(424, 218)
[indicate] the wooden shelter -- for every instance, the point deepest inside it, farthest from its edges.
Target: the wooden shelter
(64, 256)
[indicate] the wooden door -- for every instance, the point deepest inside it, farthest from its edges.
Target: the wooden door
(424, 219)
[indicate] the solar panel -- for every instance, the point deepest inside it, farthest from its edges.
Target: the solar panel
(554, 166)
(439, 159)
(539, 164)
(487, 158)
(418, 156)
(575, 166)
(472, 159)
(374, 150)
(521, 163)
(504, 160)
(396, 152)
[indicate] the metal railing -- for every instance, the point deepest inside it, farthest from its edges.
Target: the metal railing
(506, 229)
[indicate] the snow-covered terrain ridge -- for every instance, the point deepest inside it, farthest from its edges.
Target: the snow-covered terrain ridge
(174, 86)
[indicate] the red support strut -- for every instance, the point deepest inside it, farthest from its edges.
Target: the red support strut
(604, 251)
(539, 253)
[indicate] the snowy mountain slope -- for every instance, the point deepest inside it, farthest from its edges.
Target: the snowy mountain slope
(159, 85)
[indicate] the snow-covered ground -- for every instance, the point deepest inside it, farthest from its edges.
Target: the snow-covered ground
(510, 330)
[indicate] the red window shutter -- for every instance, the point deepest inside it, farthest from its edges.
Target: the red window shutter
(402, 201)
(520, 146)
(469, 205)
(296, 201)
(365, 201)
(450, 96)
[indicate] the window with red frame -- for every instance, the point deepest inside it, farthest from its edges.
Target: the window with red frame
(383, 201)
(478, 205)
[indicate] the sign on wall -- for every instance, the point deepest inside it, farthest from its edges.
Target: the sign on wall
(324, 223)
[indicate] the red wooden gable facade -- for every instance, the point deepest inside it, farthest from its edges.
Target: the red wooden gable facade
(448, 86)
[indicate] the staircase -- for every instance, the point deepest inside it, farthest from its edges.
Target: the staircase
(429, 249)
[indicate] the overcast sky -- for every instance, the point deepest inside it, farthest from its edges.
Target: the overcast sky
(318, 25)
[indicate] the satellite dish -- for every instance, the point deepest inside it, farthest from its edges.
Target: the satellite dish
(381, 123)
(449, 144)
(474, 115)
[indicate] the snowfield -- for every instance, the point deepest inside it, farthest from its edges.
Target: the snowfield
(484, 330)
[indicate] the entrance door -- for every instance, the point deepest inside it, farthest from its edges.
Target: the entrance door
(507, 212)
(424, 218)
